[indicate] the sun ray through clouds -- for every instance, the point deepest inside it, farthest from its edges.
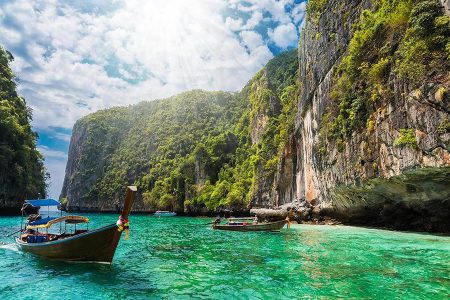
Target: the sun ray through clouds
(74, 58)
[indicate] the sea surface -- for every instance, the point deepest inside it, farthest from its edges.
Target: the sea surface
(182, 258)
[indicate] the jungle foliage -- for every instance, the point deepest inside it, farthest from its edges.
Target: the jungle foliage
(22, 173)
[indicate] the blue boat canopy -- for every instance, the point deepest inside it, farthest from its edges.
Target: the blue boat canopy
(43, 202)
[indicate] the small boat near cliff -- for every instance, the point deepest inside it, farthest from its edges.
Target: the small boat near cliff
(247, 224)
(164, 213)
(80, 245)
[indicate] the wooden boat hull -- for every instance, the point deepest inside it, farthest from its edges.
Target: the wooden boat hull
(93, 246)
(272, 226)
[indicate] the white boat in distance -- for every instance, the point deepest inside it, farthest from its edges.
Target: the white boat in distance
(164, 213)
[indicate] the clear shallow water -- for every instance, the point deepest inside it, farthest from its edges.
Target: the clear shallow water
(182, 258)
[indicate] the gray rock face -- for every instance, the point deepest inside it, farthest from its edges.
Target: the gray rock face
(88, 153)
(200, 167)
(268, 107)
(341, 183)
(323, 44)
(76, 189)
(446, 5)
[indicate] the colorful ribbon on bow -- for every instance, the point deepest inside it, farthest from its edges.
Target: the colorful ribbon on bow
(123, 224)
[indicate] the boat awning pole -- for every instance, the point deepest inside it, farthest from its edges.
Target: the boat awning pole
(60, 225)
(21, 221)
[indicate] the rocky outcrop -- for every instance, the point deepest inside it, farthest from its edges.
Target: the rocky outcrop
(88, 154)
(370, 179)
(77, 142)
(265, 105)
(200, 167)
(446, 5)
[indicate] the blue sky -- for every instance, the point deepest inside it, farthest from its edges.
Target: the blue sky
(73, 58)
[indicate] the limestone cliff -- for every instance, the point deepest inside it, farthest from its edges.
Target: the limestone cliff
(394, 168)
(91, 144)
(155, 145)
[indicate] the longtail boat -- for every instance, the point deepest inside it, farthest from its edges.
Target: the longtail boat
(247, 224)
(164, 213)
(81, 245)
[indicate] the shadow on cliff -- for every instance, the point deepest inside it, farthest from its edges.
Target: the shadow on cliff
(416, 200)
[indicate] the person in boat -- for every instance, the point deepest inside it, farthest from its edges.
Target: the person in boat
(255, 220)
(217, 220)
(290, 216)
(27, 232)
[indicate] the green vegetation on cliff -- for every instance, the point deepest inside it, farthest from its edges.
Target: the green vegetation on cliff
(407, 137)
(149, 144)
(197, 150)
(22, 172)
(400, 40)
(314, 10)
(263, 128)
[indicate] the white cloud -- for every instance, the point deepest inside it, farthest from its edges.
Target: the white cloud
(61, 136)
(12, 36)
(238, 24)
(142, 51)
(278, 9)
(162, 47)
(285, 13)
(56, 168)
(234, 24)
(284, 35)
(55, 163)
(254, 20)
(251, 39)
(20, 64)
(49, 153)
(298, 12)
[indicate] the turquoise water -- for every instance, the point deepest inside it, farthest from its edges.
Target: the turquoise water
(181, 258)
